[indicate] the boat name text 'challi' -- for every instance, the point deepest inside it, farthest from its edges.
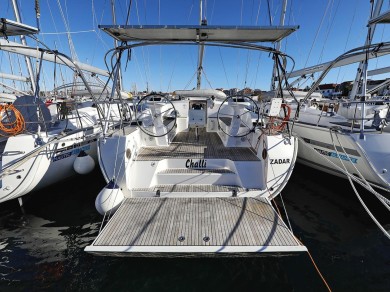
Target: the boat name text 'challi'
(201, 163)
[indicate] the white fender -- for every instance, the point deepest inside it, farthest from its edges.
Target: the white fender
(109, 198)
(83, 163)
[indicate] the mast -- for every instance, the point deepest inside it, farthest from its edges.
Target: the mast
(361, 75)
(278, 44)
(200, 50)
(119, 82)
(362, 70)
(23, 40)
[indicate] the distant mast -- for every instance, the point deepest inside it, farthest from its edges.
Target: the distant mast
(23, 40)
(201, 49)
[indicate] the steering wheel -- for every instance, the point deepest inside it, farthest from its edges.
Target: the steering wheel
(238, 116)
(156, 115)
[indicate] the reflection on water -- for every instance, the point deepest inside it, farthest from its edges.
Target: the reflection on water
(43, 247)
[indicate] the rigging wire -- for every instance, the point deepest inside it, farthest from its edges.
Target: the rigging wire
(238, 52)
(21, 71)
(94, 30)
(369, 187)
(67, 32)
(258, 13)
(66, 23)
(54, 24)
(288, 22)
(253, 84)
(160, 48)
(269, 13)
(208, 81)
(223, 66)
(330, 25)
(192, 78)
(212, 12)
(145, 61)
(11, 68)
(347, 40)
(386, 233)
(317, 33)
(189, 14)
(248, 57)
(98, 33)
(377, 59)
(170, 79)
(347, 174)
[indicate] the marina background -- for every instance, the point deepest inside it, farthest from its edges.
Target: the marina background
(42, 248)
(326, 30)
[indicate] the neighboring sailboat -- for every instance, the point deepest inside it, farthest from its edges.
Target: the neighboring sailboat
(196, 174)
(45, 143)
(347, 135)
(346, 138)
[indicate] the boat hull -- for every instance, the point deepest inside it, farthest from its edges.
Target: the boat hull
(47, 166)
(338, 152)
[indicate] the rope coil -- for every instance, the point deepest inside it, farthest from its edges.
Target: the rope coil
(12, 121)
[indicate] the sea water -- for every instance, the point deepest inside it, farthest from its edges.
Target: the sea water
(42, 245)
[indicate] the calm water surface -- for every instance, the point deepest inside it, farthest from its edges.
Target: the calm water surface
(42, 246)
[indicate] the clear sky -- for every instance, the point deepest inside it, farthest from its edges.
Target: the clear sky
(327, 29)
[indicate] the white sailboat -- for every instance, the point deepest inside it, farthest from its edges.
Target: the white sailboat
(45, 143)
(196, 175)
(346, 136)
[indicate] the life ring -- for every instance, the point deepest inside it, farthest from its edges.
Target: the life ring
(10, 125)
(280, 126)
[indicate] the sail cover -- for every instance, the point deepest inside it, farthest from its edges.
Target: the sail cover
(181, 33)
(13, 28)
(17, 48)
(347, 60)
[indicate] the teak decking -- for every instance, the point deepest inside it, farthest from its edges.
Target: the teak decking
(193, 226)
(207, 146)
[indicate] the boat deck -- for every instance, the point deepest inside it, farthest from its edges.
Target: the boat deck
(194, 226)
(208, 145)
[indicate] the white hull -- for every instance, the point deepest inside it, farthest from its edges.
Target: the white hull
(49, 166)
(135, 175)
(121, 157)
(338, 152)
(33, 161)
